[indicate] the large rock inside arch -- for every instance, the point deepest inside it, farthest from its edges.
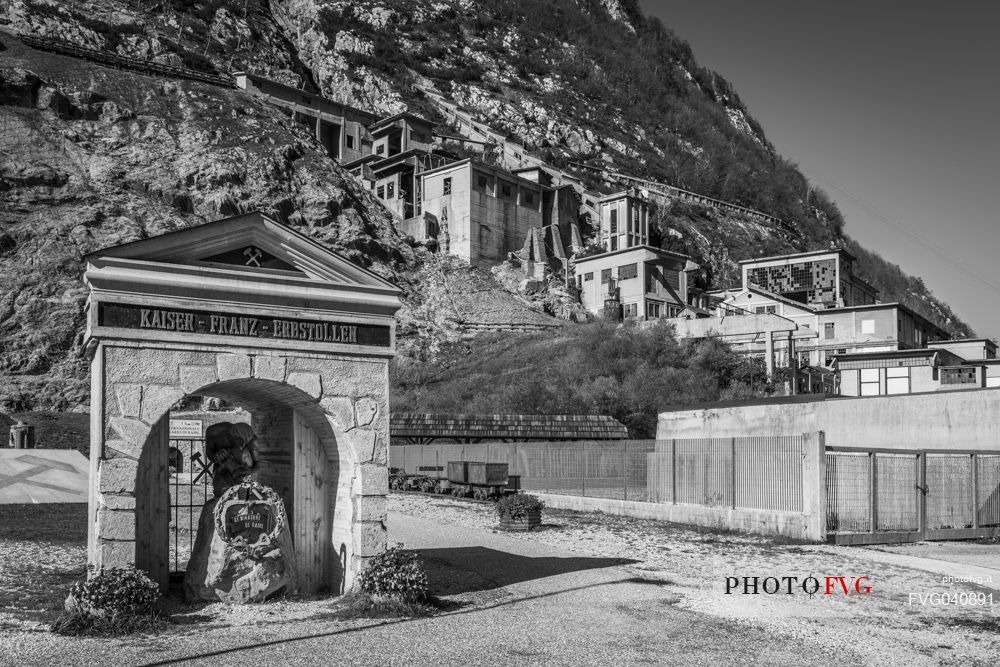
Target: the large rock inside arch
(248, 309)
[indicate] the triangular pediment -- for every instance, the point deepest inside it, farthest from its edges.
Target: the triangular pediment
(250, 243)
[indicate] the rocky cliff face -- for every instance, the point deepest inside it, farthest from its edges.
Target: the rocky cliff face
(92, 156)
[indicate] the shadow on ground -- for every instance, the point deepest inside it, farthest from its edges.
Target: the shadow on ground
(469, 569)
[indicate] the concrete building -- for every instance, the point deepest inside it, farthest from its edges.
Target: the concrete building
(624, 221)
(485, 212)
(647, 282)
(823, 278)
(942, 366)
(340, 128)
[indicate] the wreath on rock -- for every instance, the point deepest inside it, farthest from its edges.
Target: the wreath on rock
(249, 494)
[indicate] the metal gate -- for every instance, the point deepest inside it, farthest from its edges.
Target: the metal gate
(884, 495)
(190, 487)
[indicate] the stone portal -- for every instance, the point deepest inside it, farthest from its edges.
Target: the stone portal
(252, 312)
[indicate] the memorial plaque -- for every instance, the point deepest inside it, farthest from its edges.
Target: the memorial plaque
(249, 521)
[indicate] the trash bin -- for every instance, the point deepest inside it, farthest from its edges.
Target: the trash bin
(22, 436)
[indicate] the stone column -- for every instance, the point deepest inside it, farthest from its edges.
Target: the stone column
(769, 354)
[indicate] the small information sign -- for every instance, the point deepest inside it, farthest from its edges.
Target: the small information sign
(186, 429)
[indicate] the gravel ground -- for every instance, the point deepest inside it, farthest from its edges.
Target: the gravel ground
(585, 589)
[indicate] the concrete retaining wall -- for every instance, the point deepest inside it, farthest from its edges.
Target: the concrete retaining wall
(940, 420)
(789, 524)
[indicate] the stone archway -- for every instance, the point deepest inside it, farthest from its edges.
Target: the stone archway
(157, 336)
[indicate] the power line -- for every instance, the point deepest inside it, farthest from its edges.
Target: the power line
(955, 261)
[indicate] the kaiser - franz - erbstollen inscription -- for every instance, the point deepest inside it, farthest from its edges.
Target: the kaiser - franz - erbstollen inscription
(128, 316)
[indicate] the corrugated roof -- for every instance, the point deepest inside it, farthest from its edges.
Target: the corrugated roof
(506, 427)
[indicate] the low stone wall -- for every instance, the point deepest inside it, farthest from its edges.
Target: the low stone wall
(790, 524)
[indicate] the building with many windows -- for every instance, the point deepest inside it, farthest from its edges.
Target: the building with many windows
(645, 282)
(823, 279)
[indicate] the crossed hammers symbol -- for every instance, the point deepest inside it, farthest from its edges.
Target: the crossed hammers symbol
(253, 256)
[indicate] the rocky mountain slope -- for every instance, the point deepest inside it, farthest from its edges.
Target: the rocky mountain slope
(92, 156)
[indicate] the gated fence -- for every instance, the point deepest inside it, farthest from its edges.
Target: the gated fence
(190, 487)
(883, 495)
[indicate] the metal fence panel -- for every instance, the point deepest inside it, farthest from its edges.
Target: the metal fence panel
(988, 489)
(896, 492)
(704, 471)
(769, 473)
(848, 492)
(948, 482)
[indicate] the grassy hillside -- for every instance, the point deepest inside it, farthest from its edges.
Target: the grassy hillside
(629, 373)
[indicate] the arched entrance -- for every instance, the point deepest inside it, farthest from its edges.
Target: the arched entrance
(250, 312)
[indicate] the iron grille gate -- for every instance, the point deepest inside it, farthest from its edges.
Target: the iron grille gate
(883, 496)
(190, 487)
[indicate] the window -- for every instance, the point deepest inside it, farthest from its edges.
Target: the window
(482, 181)
(897, 380)
(614, 243)
(605, 275)
(653, 309)
(447, 186)
(380, 192)
(350, 140)
(390, 190)
(761, 310)
(529, 198)
(958, 376)
(867, 326)
(869, 381)
(589, 275)
(630, 310)
(579, 282)
(674, 311)
(380, 149)
(803, 359)
(614, 221)
(829, 330)
(628, 271)
(652, 275)
(505, 189)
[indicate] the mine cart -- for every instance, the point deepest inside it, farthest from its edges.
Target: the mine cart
(480, 480)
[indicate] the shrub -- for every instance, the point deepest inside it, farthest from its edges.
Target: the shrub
(396, 573)
(517, 505)
(118, 590)
(112, 602)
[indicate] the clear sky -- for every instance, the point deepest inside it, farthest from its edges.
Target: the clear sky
(890, 106)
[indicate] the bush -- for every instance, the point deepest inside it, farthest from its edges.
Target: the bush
(118, 590)
(517, 505)
(113, 602)
(396, 574)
